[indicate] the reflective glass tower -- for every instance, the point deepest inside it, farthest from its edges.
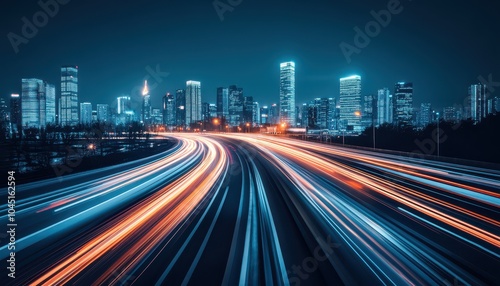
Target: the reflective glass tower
(350, 103)
(68, 102)
(193, 102)
(287, 94)
(403, 104)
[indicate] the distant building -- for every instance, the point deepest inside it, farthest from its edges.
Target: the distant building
(68, 102)
(193, 102)
(450, 114)
(287, 94)
(385, 107)
(15, 112)
(222, 102)
(180, 108)
(476, 109)
(37, 103)
(255, 114)
(247, 110)
(369, 111)
(264, 115)
(425, 115)
(156, 116)
(169, 110)
(103, 112)
(85, 113)
(403, 104)
(123, 104)
(274, 114)
(146, 112)
(350, 103)
(236, 102)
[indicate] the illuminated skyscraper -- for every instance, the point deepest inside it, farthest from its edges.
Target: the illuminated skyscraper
(37, 110)
(384, 107)
(350, 103)
(15, 112)
(146, 105)
(403, 104)
(123, 104)
(102, 112)
(477, 102)
(287, 94)
(193, 102)
(168, 107)
(180, 108)
(68, 102)
(85, 113)
(222, 102)
(425, 114)
(236, 105)
(264, 115)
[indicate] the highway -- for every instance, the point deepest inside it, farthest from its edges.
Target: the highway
(235, 209)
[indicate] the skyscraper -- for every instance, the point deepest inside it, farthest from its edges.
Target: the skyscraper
(369, 111)
(222, 102)
(247, 110)
(193, 102)
(236, 103)
(168, 107)
(50, 103)
(102, 112)
(146, 105)
(403, 104)
(180, 107)
(68, 102)
(123, 104)
(256, 114)
(350, 103)
(477, 102)
(34, 107)
(287, 94)
(15, 112)
(384, 106)
(85, 113)
(425, 114)
(264, 115)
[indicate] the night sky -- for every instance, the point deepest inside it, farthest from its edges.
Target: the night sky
(439, 47)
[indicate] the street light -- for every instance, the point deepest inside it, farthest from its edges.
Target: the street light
(216, 123)
(248, 127)
(438, 131)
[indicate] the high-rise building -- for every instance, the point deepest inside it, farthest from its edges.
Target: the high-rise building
(264, 115)
(369, 111)
(425, 115)
(146, 116)
(247, 110)
(85, 113)
(222, 102)
(236, 105)
(350, 103)
(156, 116)
(68, 102)
(169, 109)
(476, 108)
(94, 116)
(496, 104)
(450, 114)
(180, 107)
(37, 103)
(385, 107)
(287, 94)
(103, 112)
(193, 102)
(255, 114)
(274, 114)
(15, 112)
(4, 111)
(123, 104)
(403, 104)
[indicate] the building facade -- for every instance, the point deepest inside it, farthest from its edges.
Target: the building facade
(287, 94)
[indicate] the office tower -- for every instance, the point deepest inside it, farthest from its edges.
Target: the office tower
(156, 116)
(287, 94)
(476, 108)
(205, 112)
(384, 106)
(247, 110)
(4, 111)
(146, 105)
(236, 102)
(94, 116)
(193, 102)
(264, 115)
(169, 109)
(68, 102)
(403, 104)
(425, 115)
(102, 112)
(85, 113)
(450, 114)
(50, 102)
(15, 112)
(350, 103)
(255, 114)
(274, 114)
(496, 104)
(304, 108)
(34, 103)
(123, 104)
(212, 108)
(180, 108)
(369, 111)
(312, 115)
(222, 102)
